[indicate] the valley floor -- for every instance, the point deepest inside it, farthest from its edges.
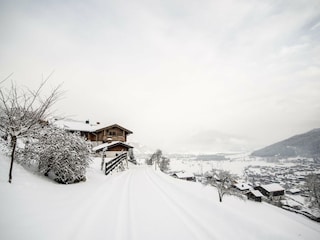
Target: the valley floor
(139, 203)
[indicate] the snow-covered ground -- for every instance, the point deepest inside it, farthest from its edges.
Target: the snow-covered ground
(139, 203)
(235, 166)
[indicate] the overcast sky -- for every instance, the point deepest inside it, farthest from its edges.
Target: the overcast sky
(182, 75)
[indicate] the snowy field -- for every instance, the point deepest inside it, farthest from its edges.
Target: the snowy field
(139, 203)
(235, 165)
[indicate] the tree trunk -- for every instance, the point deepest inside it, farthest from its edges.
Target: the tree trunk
(220, 195)
(14, 144)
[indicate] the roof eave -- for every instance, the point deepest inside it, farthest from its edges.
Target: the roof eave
(115, 125)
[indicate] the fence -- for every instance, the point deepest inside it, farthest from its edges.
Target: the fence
(111, 165)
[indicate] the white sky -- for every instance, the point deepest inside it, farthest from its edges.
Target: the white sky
(182, 75)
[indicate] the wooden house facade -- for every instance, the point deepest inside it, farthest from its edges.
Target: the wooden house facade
(108, 138)
(108, 134)
(96, 133)
(112, 149)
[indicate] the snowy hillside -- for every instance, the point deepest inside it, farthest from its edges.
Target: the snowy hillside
(305, 145)
(136, 204)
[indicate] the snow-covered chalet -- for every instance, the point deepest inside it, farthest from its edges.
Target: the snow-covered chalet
(109, 138)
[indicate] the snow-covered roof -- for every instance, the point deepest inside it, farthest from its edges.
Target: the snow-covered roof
(290, 203)
(83, 126)
(74, 125)
(101, 146)
(294, 190)
(256, 193)
(273, 187)
(242, 186)
(108, 145)
(184, 175)
(101, 127)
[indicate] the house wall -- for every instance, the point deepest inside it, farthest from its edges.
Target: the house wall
(115, 151)
(112, 134)
(263, 191)
(118, 148)
(93, 137)
(277, 193)
(115, 134)
(251, 196)
(113, 154)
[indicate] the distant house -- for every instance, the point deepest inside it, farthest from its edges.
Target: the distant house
(184, 176)
(271, 190)
(242, 186)
(255, 195)
(95, 132)
(291, 204)
(294, 191)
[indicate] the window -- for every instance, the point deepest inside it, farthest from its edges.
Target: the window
(111, 133)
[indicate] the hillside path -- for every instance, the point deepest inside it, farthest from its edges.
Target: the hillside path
(138, 204)
(144, 204)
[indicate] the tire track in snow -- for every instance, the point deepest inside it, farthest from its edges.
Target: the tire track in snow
(93, 208)
(194, 224)
(124, 222)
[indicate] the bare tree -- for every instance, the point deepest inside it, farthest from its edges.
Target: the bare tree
(313, 186)
(22, 111)
(223, 181)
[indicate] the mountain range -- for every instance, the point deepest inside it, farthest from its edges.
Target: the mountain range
(303, 145)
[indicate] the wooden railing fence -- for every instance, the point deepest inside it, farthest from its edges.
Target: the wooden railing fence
(115, 162)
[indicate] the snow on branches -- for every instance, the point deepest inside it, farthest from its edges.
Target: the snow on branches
(22, 111)
(61, 155)
(223, 181)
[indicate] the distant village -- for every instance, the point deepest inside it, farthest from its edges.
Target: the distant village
(291, 178)
(282, 184)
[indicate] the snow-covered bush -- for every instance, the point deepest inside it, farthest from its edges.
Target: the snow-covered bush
(61, 155)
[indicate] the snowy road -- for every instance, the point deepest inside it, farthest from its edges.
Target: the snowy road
(144, 204)
(138, 204)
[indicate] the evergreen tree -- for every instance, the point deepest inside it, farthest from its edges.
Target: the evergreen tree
(164, 164)
(159, 160)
